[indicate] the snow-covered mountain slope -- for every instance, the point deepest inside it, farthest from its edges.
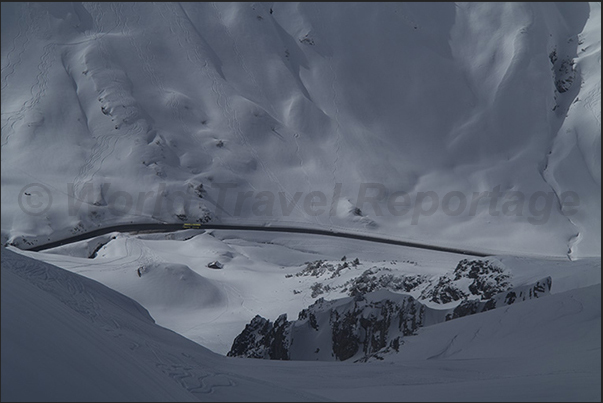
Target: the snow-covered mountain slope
(164, 100)
(68, 338)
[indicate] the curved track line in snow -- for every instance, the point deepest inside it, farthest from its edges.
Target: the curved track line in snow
(335, 103)
(37, 91)
(303, 168)
(235, 122)
(23, 46)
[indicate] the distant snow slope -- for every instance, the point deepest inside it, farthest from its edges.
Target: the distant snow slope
(158, 99)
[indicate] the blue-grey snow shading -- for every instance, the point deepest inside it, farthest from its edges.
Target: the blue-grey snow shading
(160, 100)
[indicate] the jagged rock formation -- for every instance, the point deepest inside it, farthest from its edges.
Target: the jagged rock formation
(263, 339)
(488, 279)
(342, 329)
(372, 280)
(443, 291)
(372, 324)
(480, 278)
(564, 71)
(472, 306)
(320, 267)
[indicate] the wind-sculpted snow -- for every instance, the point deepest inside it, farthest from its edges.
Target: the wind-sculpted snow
(121, 112)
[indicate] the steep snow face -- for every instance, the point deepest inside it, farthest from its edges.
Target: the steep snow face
(148, 108)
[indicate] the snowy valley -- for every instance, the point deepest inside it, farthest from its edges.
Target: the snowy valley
(469, 130)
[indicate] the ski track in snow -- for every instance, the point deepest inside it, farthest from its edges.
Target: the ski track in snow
(338, 127)
(592, 101)
(37, 91)
(13, 65)
(173, 103)
(217, 89)
(194, 380)
(335, 103)
(335, 116)
(198, 63)
(236, 124)
(107, 143)
(302, 166)
(102, 141)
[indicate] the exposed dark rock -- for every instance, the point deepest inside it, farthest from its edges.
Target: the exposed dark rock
(215, 265)
(488, 279)
(371, 280)
(522, 293)
(262, 339)
(564, 71)
(321, 267)
(443, 292)
(374, 321)
(342, 329)
(307, 40)
(278, 349)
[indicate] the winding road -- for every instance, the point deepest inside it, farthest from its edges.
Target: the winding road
(158, 227)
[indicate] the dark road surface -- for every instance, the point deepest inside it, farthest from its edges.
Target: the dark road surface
(155, 227)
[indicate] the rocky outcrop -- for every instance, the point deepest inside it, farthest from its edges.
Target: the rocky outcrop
(486, 280)
(517, 294)
(564, 71)
(375, 279)
(342, 329)
(443, 291)
(263, 339)
(480, 278)
(375, 321)
(319, 268)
